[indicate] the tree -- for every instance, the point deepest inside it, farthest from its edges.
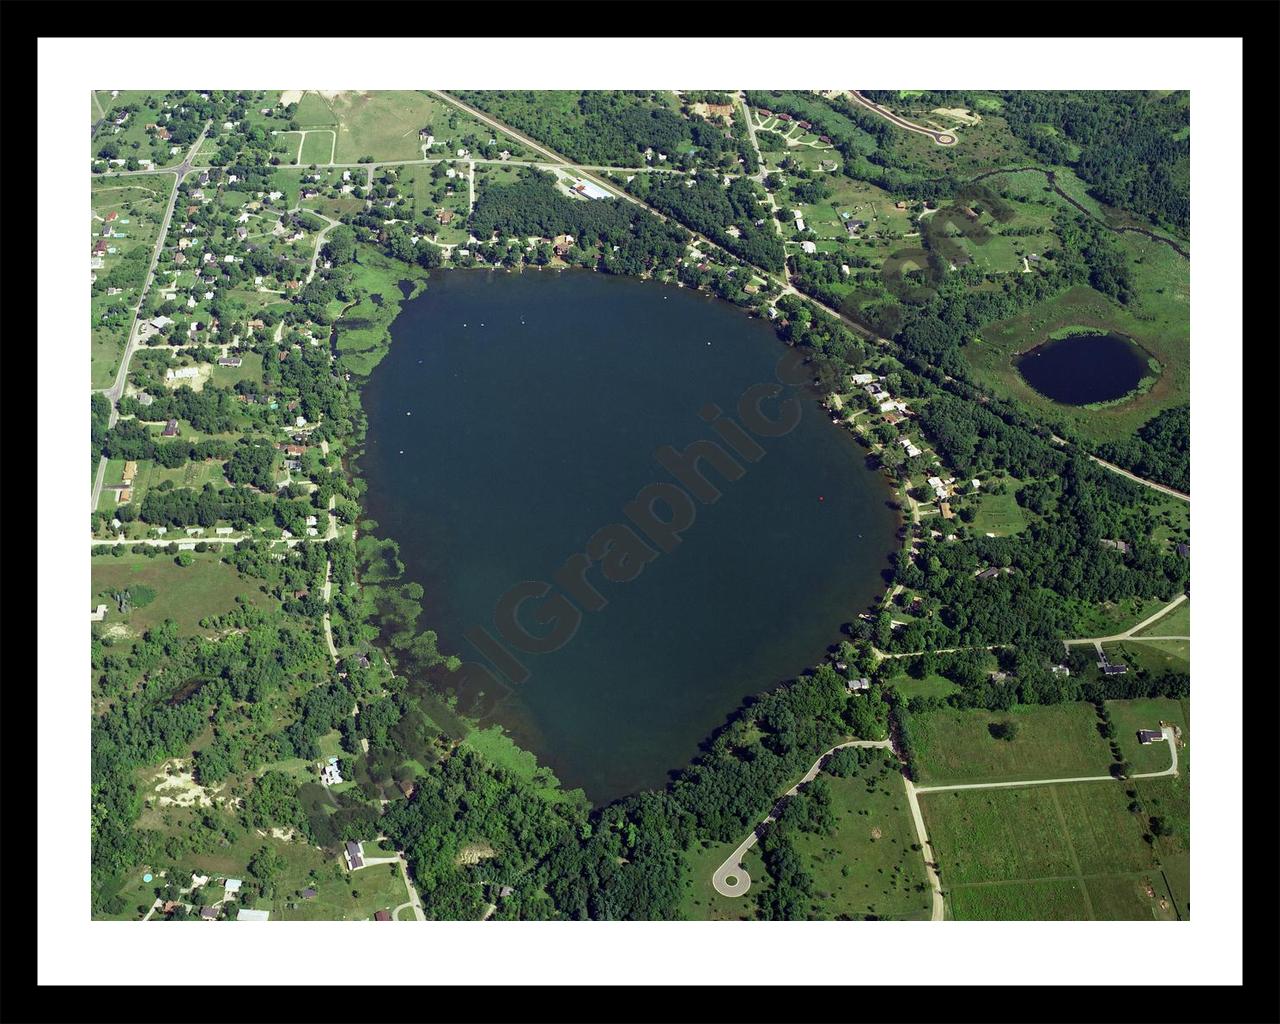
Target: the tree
(340, 245)
(1006, 730)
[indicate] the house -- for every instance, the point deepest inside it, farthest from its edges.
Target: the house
(825, 138)
(1184, 550)
(939, 488)
(308, 893)
(229, 361)
(182, 373)
(1114, 669)
(295, 449)
(862, 378)
(945, 508)
(912, 450)
(900, 205)
(444, 216)
(124, 495)
(783, 117)
(329, 774)
(170, 429)
(1060, 670)
(99, 248)
(852, 227)
(362, 660)
(353, 855)
(130, 471)
(208, 913)
(170, 906)
(230, 887)
(805, 125)
(988, 574)
(853, 685)
(809, 247)
(381, 915)
(98, 614)
(1118, 545)
(253, 915)
(1150, 736)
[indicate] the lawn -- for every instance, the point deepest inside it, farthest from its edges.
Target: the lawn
(1156, 656)
(866, 866)
(1112, 618)
(186, 595)
(931, 685)
(1131, 715)
(1000, 514)
(1052, 741)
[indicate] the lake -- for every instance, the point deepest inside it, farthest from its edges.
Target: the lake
(517, 414)
(1084, 368)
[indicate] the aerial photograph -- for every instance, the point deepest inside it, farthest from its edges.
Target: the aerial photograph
(638, 505)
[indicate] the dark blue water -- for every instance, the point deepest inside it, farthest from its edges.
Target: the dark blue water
(1084, 368)
(498, 448)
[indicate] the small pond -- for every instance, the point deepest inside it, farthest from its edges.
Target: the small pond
(1084, 368)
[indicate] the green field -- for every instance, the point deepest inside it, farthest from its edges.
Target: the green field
(1053, 741)
(496, 747)
(186, 595)
(1066, 851)
(1157, 656)
(1131, 715)
(701, 902)
(931, 685)
(317, 148)
(1175, 623)
(1111, 619)
(866, 867)
(1000, 514)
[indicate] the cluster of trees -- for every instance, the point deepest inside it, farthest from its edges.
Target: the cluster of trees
(1133, 147)
(533, 207)
(184, 506)
(709, 208)
(1160, 451)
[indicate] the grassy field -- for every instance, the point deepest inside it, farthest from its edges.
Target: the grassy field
(1045, 852)
(1176, 623)
(701, 902)
(317, 147)
(1000, 513)
(498, 748)
(1154, 655)
(1158, 323)
(186, 595)
(866, 867)
(930, 686)
(1110, 619)
(1131, 715)
(1052, 741)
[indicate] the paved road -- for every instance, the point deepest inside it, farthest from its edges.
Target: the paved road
(732, 867)
(320, 242)
(117, 389)
(1139, 480)
(1128, 633)
(941, 138)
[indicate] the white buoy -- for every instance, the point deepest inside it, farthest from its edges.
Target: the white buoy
(408, 414)
(402, 452)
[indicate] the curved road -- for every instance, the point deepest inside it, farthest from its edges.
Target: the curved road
(941, 138)
(732, 867)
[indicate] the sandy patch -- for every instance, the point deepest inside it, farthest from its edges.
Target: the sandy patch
(181, 788)
(958, 113)
(875, 833)
(474, 853)
(194, 383)
(119, 631)
(291, 96)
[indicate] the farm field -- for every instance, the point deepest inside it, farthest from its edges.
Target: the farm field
(1057, 852)
(317, 147)
(1053, 741)
(184, 594)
